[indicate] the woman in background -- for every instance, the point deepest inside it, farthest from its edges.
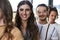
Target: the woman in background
(7, 30)
(25, 21)
(53, 15)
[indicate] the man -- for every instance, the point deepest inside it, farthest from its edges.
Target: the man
(47, 32)
(42, 11)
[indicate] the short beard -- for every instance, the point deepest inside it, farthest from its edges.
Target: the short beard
(43, 19)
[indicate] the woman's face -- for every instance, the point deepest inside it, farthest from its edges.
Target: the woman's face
(24, 12)
(52, 16)
(1, 16)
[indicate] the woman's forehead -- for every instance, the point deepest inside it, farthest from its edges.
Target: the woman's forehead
(24, 6)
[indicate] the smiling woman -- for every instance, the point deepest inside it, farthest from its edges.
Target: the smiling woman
(25, 21)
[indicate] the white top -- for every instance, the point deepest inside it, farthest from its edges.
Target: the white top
(52, 33)
(57, 26)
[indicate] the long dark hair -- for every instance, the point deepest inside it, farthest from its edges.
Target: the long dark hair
(31, 27)
(7, 17)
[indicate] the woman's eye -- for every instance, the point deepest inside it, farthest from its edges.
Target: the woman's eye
(21, 9)
(27, 9)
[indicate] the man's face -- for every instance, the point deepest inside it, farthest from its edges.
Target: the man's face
(41, 12)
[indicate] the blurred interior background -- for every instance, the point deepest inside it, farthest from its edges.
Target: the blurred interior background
(55, 3)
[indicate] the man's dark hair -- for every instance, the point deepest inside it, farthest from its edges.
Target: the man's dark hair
(43, 5)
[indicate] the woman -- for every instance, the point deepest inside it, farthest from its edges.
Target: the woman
(7, 30)
(53, 15)
(25, 21)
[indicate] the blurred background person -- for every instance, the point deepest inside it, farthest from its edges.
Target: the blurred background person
(53, 15)
(42, 12)
(7, 30)
(47, 31)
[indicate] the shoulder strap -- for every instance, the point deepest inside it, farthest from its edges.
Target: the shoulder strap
(41, 29)
(47, 32)
(53, 31)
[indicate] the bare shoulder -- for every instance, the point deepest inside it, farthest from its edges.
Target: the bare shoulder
(17, 33)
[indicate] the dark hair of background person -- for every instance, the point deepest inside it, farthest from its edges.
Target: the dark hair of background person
(43, 6)
(7, 17)
(53, 9)
(31, 27)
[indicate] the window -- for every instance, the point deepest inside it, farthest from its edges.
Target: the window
(14, 4)
(37, 2)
